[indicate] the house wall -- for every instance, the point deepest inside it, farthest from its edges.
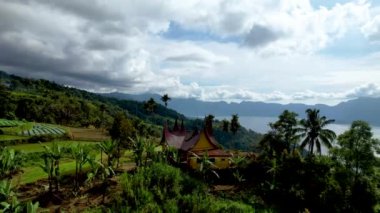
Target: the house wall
(219, 162)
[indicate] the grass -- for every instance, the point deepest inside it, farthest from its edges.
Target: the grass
(11, 137)
(34, 173)
(88, 134)
(39, 147)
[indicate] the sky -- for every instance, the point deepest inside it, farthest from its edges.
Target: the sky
(299, 51)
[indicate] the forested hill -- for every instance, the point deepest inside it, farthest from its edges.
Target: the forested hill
(48, 102)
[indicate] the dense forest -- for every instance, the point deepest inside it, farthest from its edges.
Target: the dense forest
(288, 172)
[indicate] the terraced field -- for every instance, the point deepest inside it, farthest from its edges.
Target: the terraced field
(10, 123)
(43, 129)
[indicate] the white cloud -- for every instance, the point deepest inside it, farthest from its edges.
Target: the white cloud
(372, 29)
(118, 46)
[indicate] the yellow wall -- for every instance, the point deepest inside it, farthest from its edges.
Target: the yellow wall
(219, 162)
(203, 143)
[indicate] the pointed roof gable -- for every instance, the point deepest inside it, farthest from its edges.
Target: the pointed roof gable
(182, 127)
(175, 127)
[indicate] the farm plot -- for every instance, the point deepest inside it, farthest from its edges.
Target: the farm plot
(43, 129)
(10, 123)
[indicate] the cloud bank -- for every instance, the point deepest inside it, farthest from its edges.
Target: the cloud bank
(245, 50)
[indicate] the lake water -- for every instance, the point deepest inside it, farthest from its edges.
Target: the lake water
(260, 124)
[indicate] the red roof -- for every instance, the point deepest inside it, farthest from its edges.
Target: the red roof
(183, 140)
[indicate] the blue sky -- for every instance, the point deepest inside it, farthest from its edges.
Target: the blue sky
(245, 50)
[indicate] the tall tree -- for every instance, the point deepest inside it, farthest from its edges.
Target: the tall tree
(150, 105)
(121, 131)
(225, 125)
(5, 101)
(165, 98)
(357, 149)
(314, 132)
(235, 125)
(102, 109)
(286, 128)
(209, 119)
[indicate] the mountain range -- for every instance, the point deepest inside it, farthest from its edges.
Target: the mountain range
(367, 109)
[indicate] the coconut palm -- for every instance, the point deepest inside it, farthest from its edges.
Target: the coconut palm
(314, 133)
(225, 125)
(165, 98)
(235, 125)
(209, 119)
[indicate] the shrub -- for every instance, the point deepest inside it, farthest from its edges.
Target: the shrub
(162, 188)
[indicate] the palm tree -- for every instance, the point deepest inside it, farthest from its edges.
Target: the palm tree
(225, 125)
(165, 98)
(314, 132)
(208, 122)
(235, 125)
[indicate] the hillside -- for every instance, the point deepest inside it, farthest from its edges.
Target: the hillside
(47, 102)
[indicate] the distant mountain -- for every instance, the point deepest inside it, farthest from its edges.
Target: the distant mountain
(367, 109)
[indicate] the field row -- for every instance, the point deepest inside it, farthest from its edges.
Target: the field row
(40, 129)
(10, 123)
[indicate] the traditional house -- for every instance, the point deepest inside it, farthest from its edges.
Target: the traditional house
(193, 145)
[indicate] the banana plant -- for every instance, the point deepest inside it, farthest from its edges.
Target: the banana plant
(32, 207)
(237, 163)
(8, 199)
(205, 165)
(47, 167)
(150, 150)
(80, 154)
(110, 149)
(52, 156)
(10, 162)
(138, 145)
(100, 171)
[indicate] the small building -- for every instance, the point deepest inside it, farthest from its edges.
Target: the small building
(193, 145)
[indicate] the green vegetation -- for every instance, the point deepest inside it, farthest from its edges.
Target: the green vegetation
(46, 102)
(162, 188)
(39, 147)
(9, 123)
(11, 137)
(126, 169)
(13, 127)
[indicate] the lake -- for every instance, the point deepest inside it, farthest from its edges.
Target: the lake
(260, 124)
